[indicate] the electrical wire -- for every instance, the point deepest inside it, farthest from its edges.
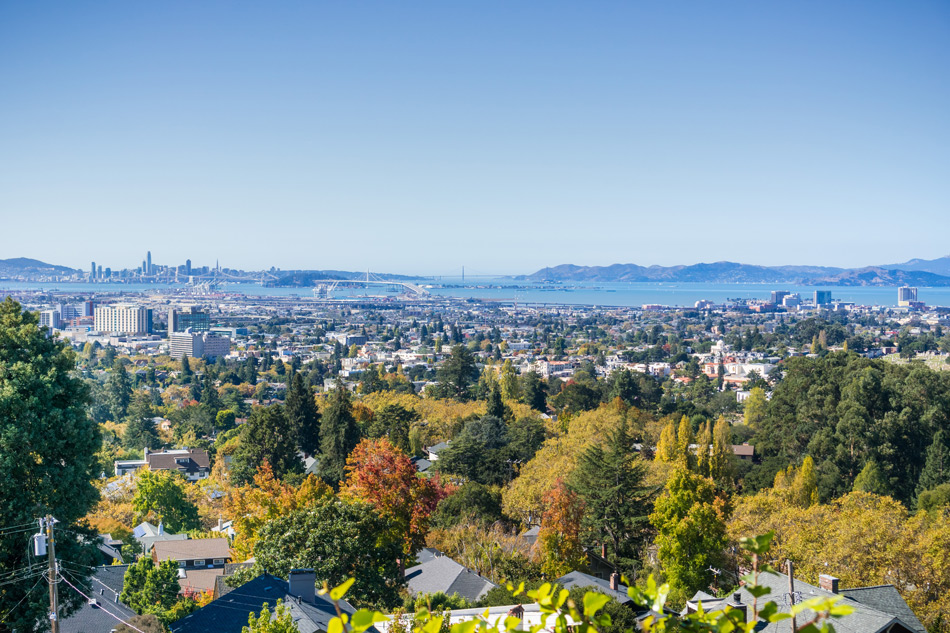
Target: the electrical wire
(31, 525)
(25, 596)
(102, 608)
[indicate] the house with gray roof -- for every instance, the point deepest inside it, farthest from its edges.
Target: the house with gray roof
(611, 587)
(228, 614)
(104, 587)
(437, 572)
(876, 609)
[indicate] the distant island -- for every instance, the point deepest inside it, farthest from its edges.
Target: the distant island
(916, 272)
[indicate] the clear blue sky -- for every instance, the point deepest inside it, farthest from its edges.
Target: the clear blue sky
(418, 137)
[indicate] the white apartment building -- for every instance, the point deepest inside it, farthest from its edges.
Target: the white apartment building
(197, 344)
(124, 319)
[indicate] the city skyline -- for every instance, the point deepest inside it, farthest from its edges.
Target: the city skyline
(418, 139)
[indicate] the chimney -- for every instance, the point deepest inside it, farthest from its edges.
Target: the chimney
(302, 584)
(220, 524)
(603, 551)
(737, 605)
(828, 583)
(615, 581)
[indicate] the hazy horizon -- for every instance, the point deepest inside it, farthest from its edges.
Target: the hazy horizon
(421, 137)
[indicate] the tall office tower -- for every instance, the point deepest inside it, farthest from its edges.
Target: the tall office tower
(99, 271)
(144, 269)
(906, 295)
(188, 267)
(92, 271)
(778, 295)
(822, 297)
(108, 272)
(188, 317)
(123, 319)
(148, 260)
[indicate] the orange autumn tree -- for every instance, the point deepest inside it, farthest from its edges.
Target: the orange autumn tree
(267, 498)
(381, 475)
(559, 536)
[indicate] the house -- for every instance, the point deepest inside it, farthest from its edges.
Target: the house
(876, 609)
(437, 572)
(434, 451)
(103, 588)
(200, 561)
(193, 464)
(147, 535)
(611, 587)
(228, 614)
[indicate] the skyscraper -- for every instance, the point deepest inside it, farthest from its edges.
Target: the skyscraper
(148, 260)
(92, 271)
(822, 297)
(188, 267)
(906, 295)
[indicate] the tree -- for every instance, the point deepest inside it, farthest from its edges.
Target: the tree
(704, 446)
(937, 463)
(266, 437)
(510, 385)
(684, 440)
(339, 435)
(394, 421)
(458, 372)
(722, 458)
(338, 540)
(610, 481)
(48, 449)
(559, 536)
(162, 494)
(209, 394)
(756, 406)
(533, 393)
(870, 479)
(666, 448)
(691, 532)
(148, 588)
(140, 430)
(478, 453)
(302, 413)
(494, 406)
(118, 392)
(381, 475)
(472, 503)
(253, 505)
(281, 621)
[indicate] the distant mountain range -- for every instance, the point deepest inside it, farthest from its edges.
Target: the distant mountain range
(916, 272)
(21, 265)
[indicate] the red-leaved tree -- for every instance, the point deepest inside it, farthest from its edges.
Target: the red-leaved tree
(381, 475)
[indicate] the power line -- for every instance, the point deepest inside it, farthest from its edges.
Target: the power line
(102, 608)
(25, 596)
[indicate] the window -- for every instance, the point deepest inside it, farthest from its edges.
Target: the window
(200, 562)
(182, 563)
(218, 561)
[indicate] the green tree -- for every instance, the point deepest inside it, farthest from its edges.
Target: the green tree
(266, 437)
(225, 420)
(394, 422)
(870, 479)
(610, 481)
(755, 407)
(457, 373)
(161, 494)
(494, 406)
(338, 540)
(148, 588)
(209, 394)
(691, 533)
(339, 435)
(937, 463)
(533, 393)
(118, 392)
(301, 411)
(281, 621)
(472, 503)
(140, 430)
(722, 459)
(48, 449)
(186, 372)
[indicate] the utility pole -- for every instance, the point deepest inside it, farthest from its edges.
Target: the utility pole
(791, 590)
(53, 596)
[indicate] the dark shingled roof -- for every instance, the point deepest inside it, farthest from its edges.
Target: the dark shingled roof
(104, 586)
(228, 614)
(441, 573)
(886, 598)
(866, 618)
(580, 579)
